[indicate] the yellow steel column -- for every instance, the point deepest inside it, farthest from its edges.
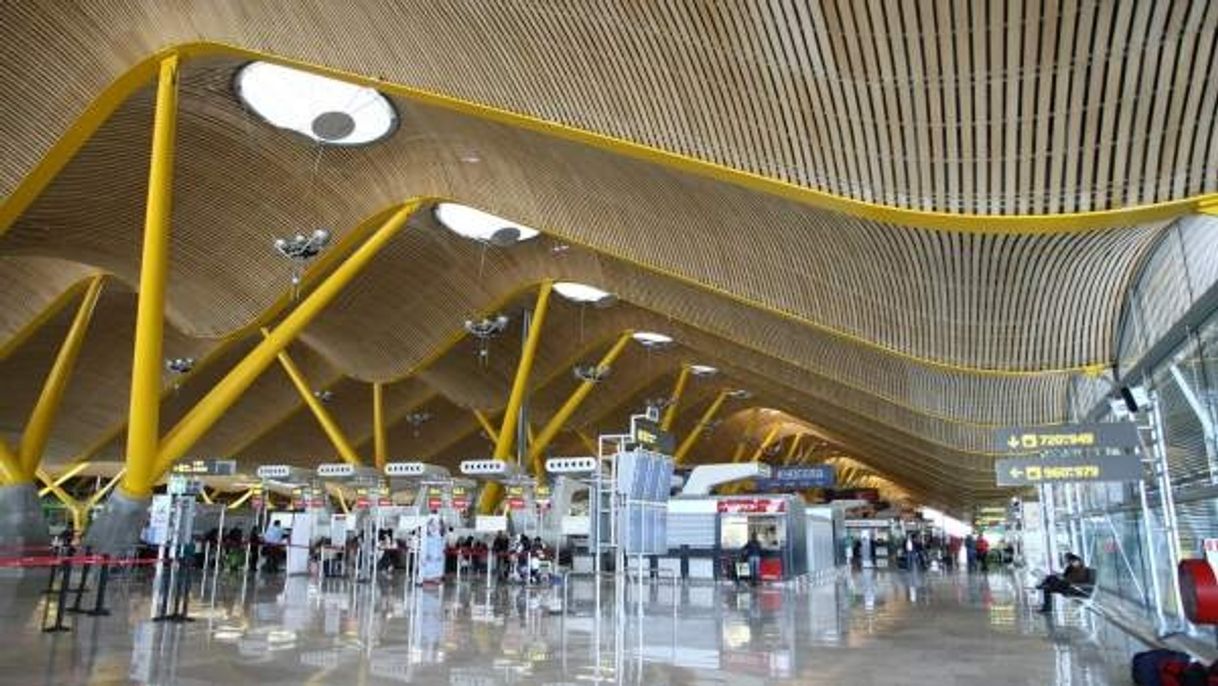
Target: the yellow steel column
(486, 425)
(328, 425)
(707, 416)
(511, 414)
(10, 466)
(212, 406)
(380, 443)
(670, 414)
(60, 494)
(63, 478)
(38, 427)
(588, 443)
(791, 451)
(556, 423)
(765, 443)
(742, 443)
(504, 442)
(96, 497)
(143, 424)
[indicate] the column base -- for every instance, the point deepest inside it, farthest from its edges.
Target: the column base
(23, 528)
(116, 529)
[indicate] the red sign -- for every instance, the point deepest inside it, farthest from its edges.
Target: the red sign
(434, 503)
(460, 503)
(385, 502)
(516, 503)
(362, 503)
(752, 505)
(318, 502)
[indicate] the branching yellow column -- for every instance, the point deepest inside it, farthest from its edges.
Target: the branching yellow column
(485, 423)
(42, 417)
(559, 420)
(63, 478)
(742, 444)
(323, 416)
(670, 414)
(492, 492)
(707, 416)
(380, 443)
(213, 405)
(791, 451)
(10, 466)
(765, 443)
(143, 422)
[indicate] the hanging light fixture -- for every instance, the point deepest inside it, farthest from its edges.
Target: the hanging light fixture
(300, 250)
(324, 395)
(179, 367)
(591, 372)
(483, 330)
(417, 419)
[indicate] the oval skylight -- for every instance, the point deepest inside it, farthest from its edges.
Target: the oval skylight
(481, 226)
(581, 293)
(652, 338)
(703, 370)
(323, 109)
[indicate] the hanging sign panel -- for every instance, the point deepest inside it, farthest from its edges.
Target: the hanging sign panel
(1031, 471)
(1019, 439)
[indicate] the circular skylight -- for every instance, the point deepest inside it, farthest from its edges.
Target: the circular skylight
(323, 109)
(581, 293)
(650, 338)
(703, 370)
(481, 226)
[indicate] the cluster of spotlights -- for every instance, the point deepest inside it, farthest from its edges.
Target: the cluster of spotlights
(484, 330)
(324, 395)
(591, 372)
(180, 365)
(301, 247)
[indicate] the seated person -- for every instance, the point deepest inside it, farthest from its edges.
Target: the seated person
(1078, 581)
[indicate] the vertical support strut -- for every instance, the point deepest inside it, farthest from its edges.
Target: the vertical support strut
(143, 423)
(380, 443)
(707, 416)
(791, 451)
(678, 391)
(42, 417)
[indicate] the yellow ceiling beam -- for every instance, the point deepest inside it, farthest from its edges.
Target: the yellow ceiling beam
(111, 97)
(520, 383)
(62, 478)
(43, 316)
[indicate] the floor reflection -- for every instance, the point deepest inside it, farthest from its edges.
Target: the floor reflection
(885, 627)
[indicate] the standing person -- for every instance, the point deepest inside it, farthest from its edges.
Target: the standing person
(751, 552)
(983, 550)
(970, 552)
(273, 541)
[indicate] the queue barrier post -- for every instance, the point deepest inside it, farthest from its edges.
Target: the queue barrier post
(99, 600)
(80, 586)
(50, 589)
(63, 599)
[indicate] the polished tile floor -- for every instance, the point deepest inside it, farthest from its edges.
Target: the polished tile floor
(866, 629)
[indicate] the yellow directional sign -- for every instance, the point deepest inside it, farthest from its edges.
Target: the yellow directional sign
(1067, 437)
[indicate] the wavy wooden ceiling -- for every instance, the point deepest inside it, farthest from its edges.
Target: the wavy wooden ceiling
(902, 346)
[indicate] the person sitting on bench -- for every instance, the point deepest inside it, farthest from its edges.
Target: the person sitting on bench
(1077, 581)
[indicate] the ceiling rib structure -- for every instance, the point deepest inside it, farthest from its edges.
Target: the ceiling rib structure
(868, 215)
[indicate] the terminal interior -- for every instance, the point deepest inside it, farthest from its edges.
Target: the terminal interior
(741, 342)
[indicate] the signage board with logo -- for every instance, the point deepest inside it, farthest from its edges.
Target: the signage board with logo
(799, 478)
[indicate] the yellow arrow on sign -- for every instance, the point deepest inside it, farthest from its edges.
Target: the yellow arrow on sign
(1013, 441)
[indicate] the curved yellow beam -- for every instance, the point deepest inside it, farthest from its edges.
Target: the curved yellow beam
(43, 316)
(118, 91)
